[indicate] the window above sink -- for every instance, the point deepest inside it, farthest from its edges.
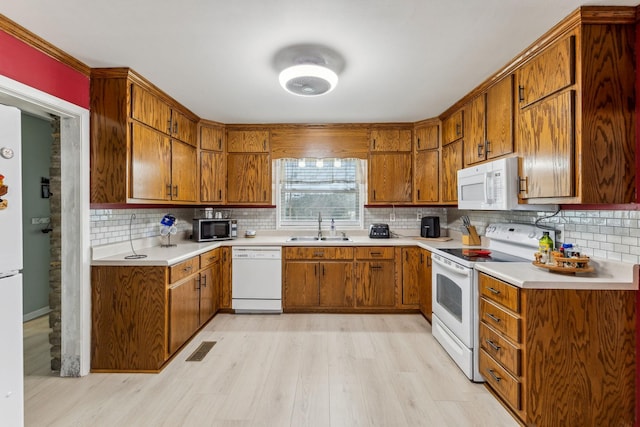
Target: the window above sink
(334, 188)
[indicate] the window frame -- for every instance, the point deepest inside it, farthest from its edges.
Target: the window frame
(313, 224)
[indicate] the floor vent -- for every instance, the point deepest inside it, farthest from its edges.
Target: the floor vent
(201, 351)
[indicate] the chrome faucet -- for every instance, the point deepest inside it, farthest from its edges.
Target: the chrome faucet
(319, 226)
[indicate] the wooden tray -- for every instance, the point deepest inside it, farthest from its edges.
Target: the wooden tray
(566, 270)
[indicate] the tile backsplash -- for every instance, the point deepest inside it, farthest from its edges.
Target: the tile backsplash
(610, 234)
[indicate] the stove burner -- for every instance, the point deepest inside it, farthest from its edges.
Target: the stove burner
(493, 256)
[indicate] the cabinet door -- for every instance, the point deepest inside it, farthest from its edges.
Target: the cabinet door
(150, 164)
(301, 284)
(149, 109)
(375, 283)
(254, 141)
(474, 125)
(212, 138)
(225, 279)
(413, 272)
(451, 163)
(549, 72)
(336, 284)
(390, 177)
(546, 146)
(208, 295)
(499, 120)
(183, 128)
(184, 176)
(452, 128)
(390, 140)
(184, 304)
(424, 289)
(426, 137)
(426, 176)
(213, 176)
(248, 178)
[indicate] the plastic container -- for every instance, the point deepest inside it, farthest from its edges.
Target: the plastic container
(333, 227)
(545, 246)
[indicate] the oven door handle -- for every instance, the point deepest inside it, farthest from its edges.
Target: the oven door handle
(459, 272)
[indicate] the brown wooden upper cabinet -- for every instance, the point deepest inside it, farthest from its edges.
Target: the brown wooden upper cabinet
(426, 137)
(576, 127)
(248, 141)
(426, 164)
(488, 125)
(248, 167)
(213, 164)
(550, 71)
(452, 127)
(390, 140)
(136, 157)
(390, 178)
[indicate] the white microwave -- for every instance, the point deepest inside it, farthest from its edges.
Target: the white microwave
(489, 186)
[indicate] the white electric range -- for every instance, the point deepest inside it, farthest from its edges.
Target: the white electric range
(455, 322)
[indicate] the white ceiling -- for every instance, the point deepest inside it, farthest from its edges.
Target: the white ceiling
(405, 60)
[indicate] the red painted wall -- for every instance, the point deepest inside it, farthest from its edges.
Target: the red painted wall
(23, 63)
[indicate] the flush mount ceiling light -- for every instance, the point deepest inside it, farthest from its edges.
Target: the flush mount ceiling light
(308, 79)
(308, 69)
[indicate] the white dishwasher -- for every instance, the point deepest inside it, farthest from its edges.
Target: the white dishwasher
(256, 279)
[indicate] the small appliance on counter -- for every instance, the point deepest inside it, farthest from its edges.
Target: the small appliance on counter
(379, 231)
(211, 229)
(430, 227)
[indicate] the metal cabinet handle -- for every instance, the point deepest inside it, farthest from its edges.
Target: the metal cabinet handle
(198, 282)
(418, 142)
(220, 194)
(479, 150)
(219, 143)
(175, 127)
(376, 253)
(318, 254)
(493, 345)
(493, 290)
(520, 93)
(169, 126)
(522, 188)
(375, 267)
(168, 190)
(494, 376)
(374, 143)
(487, 147)
(175, 191)
(458, 129)
(204, 281)
(186, 269)
(494, 318)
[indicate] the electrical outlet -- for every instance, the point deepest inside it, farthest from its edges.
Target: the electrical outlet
(392, 217)
(419, 216)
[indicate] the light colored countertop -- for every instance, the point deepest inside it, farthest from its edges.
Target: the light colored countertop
(608, 274)
(156, 255)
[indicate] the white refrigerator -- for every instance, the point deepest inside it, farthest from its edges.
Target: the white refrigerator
(11, 364)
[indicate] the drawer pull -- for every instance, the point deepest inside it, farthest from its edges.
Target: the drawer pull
(376, 253)
(494, 376)
(318, 254)
(493, 290)
(187, 269)
(493, 345)
(494, 318)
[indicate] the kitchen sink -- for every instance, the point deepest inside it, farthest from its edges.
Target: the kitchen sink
(336, 239)
(315, 239)
(303, 239)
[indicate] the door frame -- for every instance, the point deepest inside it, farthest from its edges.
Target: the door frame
(75, 226)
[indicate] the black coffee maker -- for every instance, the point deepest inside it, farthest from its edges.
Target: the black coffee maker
(430, 226)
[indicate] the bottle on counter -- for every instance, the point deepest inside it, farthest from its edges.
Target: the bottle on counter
(545, 246)
(333, 228)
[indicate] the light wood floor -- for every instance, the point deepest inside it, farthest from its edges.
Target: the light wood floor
(282, 370)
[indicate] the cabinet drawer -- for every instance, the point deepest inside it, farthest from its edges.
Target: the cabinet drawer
(183, 269)
(375, 252)
(507, 386)
(500, 292)
(318, 253)
(507, 354)
(500, 319)
(208, 258)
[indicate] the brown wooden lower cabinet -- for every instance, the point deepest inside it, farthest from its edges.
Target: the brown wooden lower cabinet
(354, 278)
(425, 285)
(142, 315)
(565, 358)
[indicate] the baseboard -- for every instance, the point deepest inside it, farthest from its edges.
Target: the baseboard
(35, 314)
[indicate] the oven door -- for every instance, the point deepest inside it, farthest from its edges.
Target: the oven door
(453, 297)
